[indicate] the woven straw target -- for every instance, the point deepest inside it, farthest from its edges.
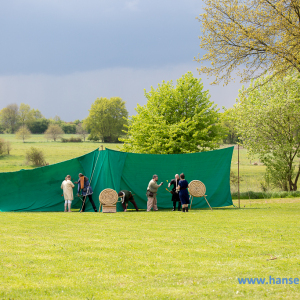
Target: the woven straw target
(108, 197)
(197, 188)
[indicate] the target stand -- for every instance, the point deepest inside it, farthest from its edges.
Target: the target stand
(197, 189)
(108, 199)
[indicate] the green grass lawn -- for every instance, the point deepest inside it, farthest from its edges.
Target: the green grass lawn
(156, 255)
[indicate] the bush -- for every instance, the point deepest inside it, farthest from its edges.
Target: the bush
(35, 156)
(265, 195)
(71, 140)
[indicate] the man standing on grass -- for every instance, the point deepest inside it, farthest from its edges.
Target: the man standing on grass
(174, 192)
(67, 187)
(152, 192)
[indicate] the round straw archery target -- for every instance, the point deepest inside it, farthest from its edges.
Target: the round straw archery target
(197, 189)
(108, 197)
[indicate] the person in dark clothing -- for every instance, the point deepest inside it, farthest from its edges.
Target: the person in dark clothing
(174, 192)
(183, 193)
(126, 197)
(86, 191)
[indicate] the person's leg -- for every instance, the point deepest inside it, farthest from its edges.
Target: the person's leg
(174, 205)
(69, 205)
(66, 203)
(179, 206)
(83, 204)
(134, 204)
(150, 203)
(155, 203)
(92, 202)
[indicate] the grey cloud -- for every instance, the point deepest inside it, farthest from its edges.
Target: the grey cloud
(61, 37)
(70, 96)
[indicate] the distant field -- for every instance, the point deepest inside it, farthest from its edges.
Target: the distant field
(251, 175)
(55, 152)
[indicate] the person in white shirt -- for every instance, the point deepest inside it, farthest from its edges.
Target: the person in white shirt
(67, 187)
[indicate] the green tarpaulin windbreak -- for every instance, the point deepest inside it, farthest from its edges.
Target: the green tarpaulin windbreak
(39, 189)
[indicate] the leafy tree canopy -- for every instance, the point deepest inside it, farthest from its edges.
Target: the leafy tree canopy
(54, 132)
(267, 120)
(261, 35)
(23, 133)
(178, 119)
(106, 119)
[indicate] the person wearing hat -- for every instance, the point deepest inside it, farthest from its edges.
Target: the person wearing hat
(126, 196)
(86, 191)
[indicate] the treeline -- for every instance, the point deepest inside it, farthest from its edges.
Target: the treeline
(106, 122)
(12, 117)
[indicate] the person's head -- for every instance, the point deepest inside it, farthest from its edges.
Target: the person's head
(121, 194)
(80, 174)
(68, 177)
(177, 176)
(155, 177)
(182, 176)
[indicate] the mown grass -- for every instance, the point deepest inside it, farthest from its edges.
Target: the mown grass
(156, 255)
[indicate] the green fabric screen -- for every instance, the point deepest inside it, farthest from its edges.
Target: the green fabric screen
(39, 189)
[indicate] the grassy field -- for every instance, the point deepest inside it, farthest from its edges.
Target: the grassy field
(54, 151)
(251, 174)
(156, 255)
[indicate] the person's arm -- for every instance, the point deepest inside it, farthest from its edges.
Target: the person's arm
(72, 184)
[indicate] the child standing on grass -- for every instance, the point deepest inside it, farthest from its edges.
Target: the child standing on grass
(67, 187)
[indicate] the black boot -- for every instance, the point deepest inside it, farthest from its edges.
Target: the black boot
(183, 209)
(187, 209)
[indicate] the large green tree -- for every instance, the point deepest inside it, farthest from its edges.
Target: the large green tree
(267, 121)
(106, 119)
(228, 123)
(249, 37)
(178, 119)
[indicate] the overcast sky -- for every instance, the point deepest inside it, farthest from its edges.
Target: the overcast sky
(58, 56)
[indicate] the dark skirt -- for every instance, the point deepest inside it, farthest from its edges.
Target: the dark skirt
(184, 196)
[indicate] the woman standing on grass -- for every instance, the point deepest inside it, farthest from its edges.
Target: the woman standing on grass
(183, 193)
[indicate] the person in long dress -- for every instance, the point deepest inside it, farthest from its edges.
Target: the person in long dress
(183, 193)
